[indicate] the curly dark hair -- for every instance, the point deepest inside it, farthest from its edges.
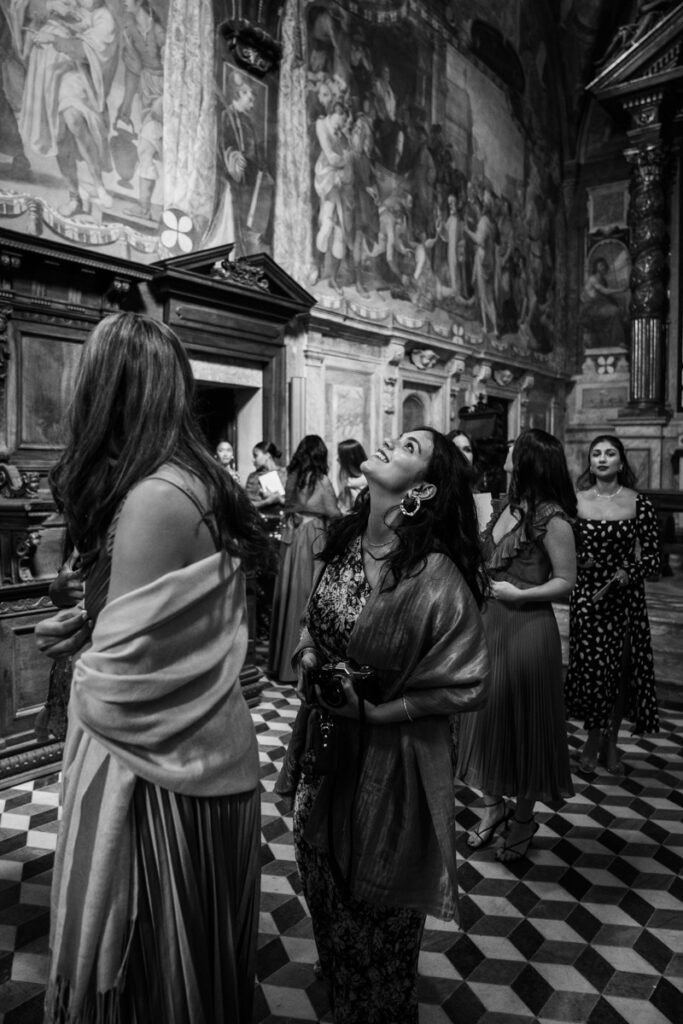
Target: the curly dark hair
(309, 462)
(447, 523)
(132, 411)
(539, 473)
(626, 477)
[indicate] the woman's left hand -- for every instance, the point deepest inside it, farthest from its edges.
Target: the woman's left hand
(501, 590)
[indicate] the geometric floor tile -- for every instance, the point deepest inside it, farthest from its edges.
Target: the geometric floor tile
(587, 930)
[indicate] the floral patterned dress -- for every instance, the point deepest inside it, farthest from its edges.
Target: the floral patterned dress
(610, 639)
(368, 953)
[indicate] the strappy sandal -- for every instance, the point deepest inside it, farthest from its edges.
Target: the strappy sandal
(615, 767)
(485, 835)
(520, 848)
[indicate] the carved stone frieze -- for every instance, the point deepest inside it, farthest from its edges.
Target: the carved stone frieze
(14, 484)
(254, 48)
(25, 604)
(240, 272)
(424, 358)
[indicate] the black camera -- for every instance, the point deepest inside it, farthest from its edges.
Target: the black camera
(328, 678)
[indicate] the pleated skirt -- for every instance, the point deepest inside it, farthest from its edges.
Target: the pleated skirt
(193, 953)
(292, 590)
(516, 745)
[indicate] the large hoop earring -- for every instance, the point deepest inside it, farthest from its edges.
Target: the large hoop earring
(410, 505)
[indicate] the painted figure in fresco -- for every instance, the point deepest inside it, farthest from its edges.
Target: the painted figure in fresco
(389, 135)
(143, 58)
(250, 184)
(423, 179)
(484, 271)
(333, 175)
(71, 65)
(602, 317)
(361, 69)
(452, 234)
(11, 85)
(365, 197)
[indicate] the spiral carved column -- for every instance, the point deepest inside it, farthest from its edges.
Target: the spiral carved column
(648, 277)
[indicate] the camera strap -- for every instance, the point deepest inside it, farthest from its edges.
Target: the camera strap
(340, 880)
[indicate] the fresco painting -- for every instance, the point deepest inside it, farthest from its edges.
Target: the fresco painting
(448, 219)
(429, 193)
(82, 135)
(605, 296)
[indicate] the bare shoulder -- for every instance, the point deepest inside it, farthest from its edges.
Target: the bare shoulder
(159, 531)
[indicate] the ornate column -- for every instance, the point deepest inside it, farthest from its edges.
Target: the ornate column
(649, 273)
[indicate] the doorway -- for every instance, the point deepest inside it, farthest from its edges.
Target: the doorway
(217, 413)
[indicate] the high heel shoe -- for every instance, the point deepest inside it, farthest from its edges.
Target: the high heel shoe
(485, 835)
(521, 847)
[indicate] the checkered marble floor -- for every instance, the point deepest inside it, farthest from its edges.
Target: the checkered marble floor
(588, 929)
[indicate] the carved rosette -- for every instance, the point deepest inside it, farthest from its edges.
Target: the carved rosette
(648, 231)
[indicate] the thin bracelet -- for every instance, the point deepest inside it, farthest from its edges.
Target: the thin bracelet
(405, 708)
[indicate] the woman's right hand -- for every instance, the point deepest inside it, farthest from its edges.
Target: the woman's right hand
(63, 634)
(308, 659)
(67, 589)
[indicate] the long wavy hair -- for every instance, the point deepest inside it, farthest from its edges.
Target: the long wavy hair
(351, 453)
(625, 477)
(309, 462)
(132, 411)
(540, 473)
(447, 523)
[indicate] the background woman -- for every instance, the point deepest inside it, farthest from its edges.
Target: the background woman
(351, 479)
(264, 455)
(399, 591)
(611, 669)
(225, 454)
(517, 744)
(155, 893)
(482, 499)
(463, 442)
(309, 504)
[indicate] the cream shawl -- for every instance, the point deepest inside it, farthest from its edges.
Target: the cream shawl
(156, 697)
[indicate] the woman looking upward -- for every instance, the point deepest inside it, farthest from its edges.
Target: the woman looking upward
(398, 593)
(310, 503)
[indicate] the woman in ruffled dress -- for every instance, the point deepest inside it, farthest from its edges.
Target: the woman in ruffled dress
(310, 504)
(156, 882)
(398, 593)
(611, 668)
(516, 746)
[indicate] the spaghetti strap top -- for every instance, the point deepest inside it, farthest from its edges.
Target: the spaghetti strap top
(98, 575)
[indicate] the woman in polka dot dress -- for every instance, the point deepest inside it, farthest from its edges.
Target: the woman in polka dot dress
(611, 669)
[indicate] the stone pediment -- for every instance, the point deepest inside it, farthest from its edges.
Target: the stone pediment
(257, 277)
(645, 55)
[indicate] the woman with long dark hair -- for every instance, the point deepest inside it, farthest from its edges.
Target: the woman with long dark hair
(310, 504)
(611, 669)
(350, 455)
(398, 594)
(516, 746)
(155, 891)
